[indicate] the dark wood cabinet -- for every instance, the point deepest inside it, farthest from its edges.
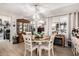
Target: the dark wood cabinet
(59, 40)
(21, 28)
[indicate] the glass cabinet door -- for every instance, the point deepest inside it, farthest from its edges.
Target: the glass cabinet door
(20, 27)
(25, 27)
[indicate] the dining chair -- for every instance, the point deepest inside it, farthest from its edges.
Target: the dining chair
(28, 43)
(48, 45)
(76, 47)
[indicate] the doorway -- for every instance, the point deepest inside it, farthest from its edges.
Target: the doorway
(5, 28)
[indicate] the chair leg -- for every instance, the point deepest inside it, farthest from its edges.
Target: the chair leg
(52, 52)
(31, 53)
(49, 52)
(75, 52)
(39, 52)
(25, 53)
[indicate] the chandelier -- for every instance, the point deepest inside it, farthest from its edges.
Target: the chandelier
(36, 15)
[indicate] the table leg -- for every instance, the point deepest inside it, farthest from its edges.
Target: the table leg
(39, 48)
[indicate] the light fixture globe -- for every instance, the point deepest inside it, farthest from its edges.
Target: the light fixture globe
(36, 16)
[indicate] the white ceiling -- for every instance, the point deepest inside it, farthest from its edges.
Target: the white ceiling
(27, 9)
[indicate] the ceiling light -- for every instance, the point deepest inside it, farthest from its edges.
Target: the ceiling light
(41, 21)
(36, 15)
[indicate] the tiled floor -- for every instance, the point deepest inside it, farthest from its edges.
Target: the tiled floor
(8, 49)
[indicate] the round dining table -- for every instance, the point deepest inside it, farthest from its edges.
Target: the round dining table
(40, 40)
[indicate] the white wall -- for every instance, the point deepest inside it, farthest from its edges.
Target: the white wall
(50, 26)
(46, 27)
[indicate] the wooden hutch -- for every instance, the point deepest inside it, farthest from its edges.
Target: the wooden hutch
(21, 28)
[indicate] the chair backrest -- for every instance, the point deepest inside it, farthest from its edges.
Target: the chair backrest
(28, 33)
(28, 36)
(27, 40)
(52, 39)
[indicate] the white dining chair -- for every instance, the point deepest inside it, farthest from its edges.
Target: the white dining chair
(76, 47)
(48, 45)
(28, 43)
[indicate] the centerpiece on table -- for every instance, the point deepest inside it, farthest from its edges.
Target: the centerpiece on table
(38, 34)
